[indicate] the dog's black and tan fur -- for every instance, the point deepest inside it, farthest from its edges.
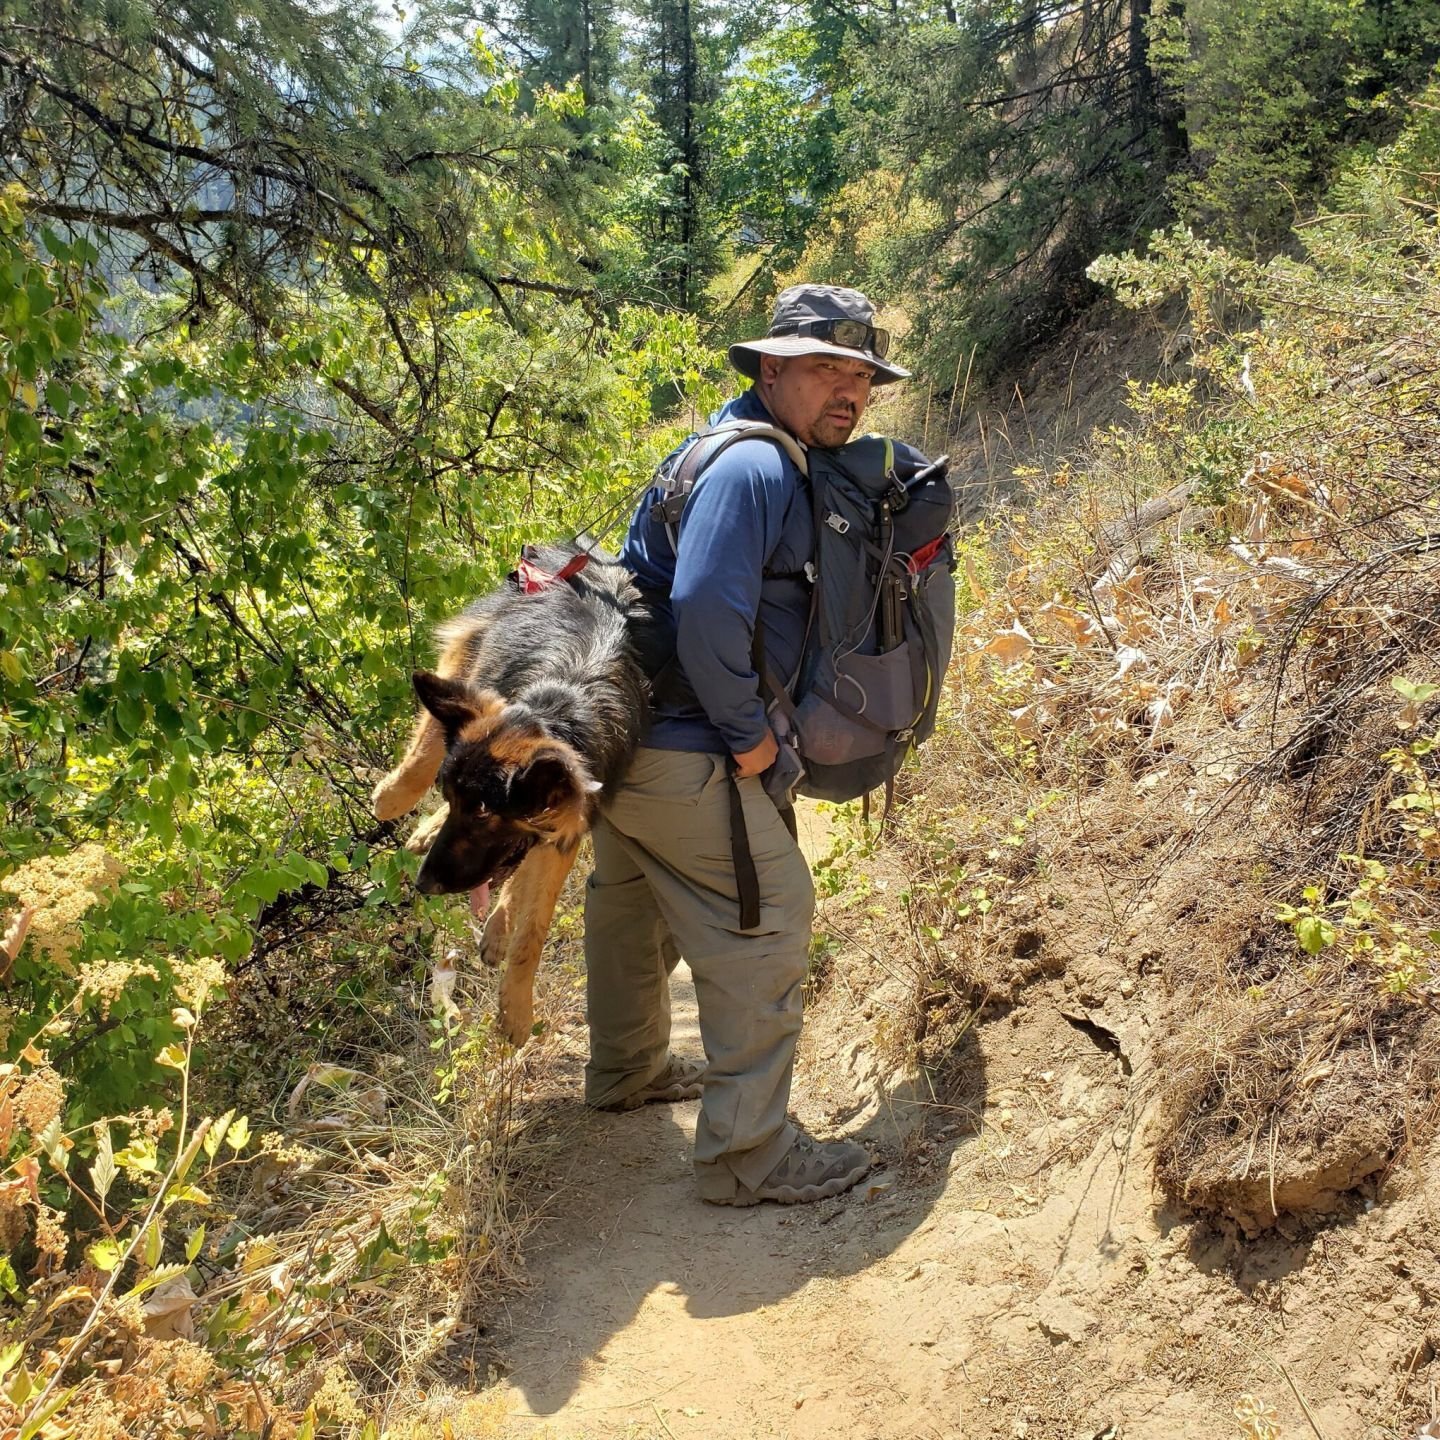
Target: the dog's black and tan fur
(529, 725)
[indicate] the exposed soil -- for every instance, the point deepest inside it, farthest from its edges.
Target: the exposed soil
(1008, 1270)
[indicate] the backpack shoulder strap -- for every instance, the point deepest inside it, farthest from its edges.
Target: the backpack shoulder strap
(706, 448)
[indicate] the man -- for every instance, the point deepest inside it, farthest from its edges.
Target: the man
(664, 882)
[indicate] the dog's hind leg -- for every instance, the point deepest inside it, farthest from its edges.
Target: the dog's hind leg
(536, 886)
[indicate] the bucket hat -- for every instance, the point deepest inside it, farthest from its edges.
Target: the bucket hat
(821, 319)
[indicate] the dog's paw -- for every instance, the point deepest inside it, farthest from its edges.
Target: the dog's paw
(393, 797)
(494, 941)
(517, 1017)
(422, 837)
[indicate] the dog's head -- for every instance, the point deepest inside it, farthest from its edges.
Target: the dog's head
(510, 784)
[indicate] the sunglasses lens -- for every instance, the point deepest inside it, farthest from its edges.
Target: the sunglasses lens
(853, 334)
(857, 335)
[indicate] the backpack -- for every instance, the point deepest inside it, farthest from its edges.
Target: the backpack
(882, 607)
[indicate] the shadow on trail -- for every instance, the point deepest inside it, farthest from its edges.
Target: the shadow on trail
(643, 1291)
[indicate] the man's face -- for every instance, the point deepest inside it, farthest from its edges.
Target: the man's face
(818, 398)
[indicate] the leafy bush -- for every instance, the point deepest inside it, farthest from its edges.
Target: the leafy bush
(1274, 92)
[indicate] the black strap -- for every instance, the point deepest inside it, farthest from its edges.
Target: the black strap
(747, 882)
(701, 454)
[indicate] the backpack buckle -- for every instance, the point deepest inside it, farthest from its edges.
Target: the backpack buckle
(838, 523)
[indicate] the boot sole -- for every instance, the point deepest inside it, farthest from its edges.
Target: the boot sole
(792, 1194)
(671, 1095)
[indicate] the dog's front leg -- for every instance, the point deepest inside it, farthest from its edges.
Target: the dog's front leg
(422, 837)
(402, 789)
(536, 887)
(496, 939)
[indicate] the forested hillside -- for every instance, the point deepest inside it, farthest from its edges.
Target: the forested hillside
(312, 316)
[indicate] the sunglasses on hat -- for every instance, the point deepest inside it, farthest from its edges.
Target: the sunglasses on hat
(852, 334)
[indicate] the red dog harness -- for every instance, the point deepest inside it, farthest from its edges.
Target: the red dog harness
(530, 578)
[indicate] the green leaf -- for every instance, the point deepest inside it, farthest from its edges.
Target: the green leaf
(103, 1172)
(238, 1135)
(40, 1418)
(138, 1157)
(191, 1194)
(9, 1357)
(1314, 933)
(216, 1133)
(21, 1388)
(156, 1277)
(52, 1141)
(1416, 692)
(57, 397)
(68, 328)
(194, 1243)
(104, 1254)
(264, 882)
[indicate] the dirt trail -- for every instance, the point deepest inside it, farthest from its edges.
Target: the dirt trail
(1005, 1272)
(656, 1313)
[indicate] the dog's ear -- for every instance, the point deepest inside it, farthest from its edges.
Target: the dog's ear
(452, 702)
(551, 781)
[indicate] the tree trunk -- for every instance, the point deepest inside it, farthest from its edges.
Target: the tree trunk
(689, 148)
(1142, 82)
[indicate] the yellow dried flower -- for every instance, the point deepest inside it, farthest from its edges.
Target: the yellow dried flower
(95, 1416)
(39, 1098)
(139, 1393)
(15, 1204)
(151, 1123)
(107, 979)
(196, 978)
(191, 1367)
(1258, 1421)
(336, 1397)
(50, 1237)
(62, 888)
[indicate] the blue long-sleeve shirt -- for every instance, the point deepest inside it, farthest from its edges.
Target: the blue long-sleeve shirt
(744, 539)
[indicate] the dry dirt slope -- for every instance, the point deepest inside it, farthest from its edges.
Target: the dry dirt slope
(1009, 1270)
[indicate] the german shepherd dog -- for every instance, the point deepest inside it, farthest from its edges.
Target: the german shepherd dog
(529, 722)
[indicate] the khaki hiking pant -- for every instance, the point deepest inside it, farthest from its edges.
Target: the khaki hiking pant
(664, 886)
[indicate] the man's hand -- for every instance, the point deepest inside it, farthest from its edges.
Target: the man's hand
(758, 760)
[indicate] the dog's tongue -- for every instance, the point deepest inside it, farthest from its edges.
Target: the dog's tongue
(480, 900)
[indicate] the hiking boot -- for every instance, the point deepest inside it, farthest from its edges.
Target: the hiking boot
(679, 1080)
(809, 1171)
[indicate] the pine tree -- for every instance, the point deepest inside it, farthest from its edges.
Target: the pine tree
(1039, 135)
(259, 151)
(674, 68)
(556, 42)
